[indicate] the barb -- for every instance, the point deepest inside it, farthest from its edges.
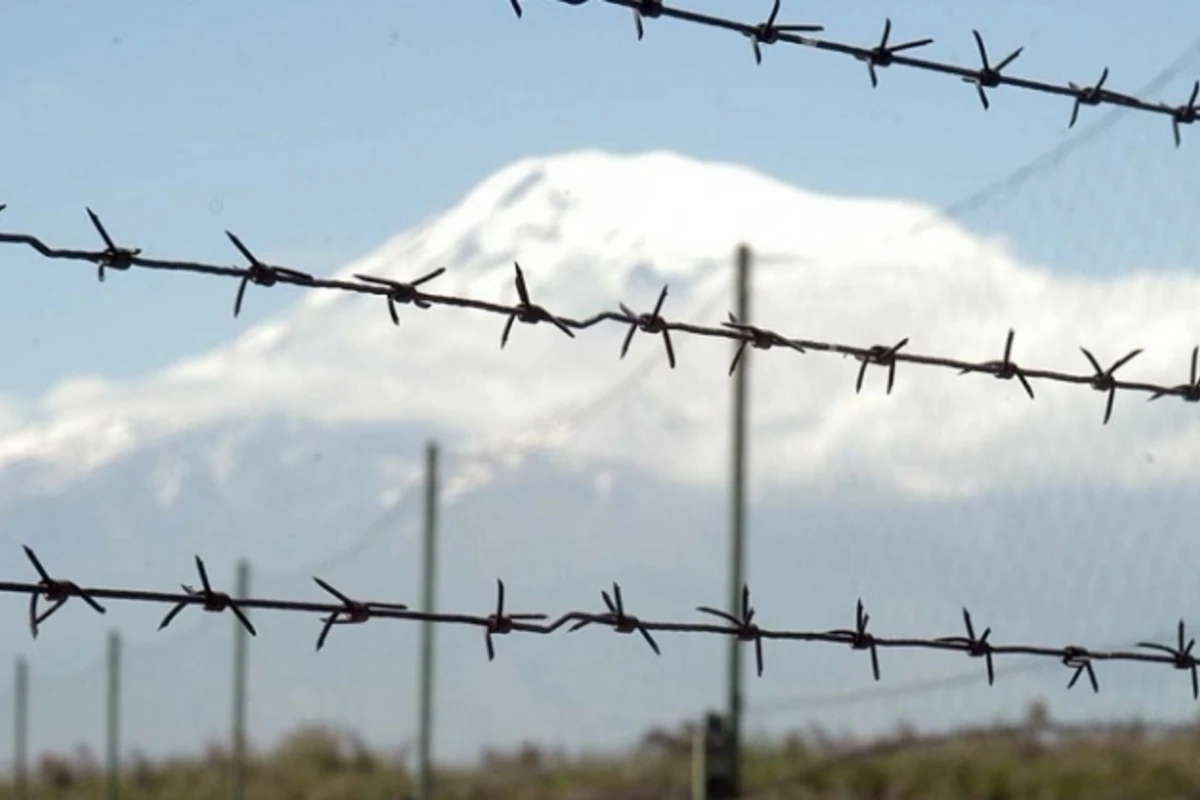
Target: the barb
(740, 625)
(1005, 368)
(645, 9)
(768, 32)
(746, 630)
(56, 592)
(884, 357)
(743, 334)
(209, 600)
(352, 612)
(262, 274)
(114, 257)
(500, 623)
(1103, 380)
(975, 647)
(859, 639)
(1080, 660)
(527, 312)
(884, 55)
(1190, 391)
(617, 619)
(1185, 114)
(1091, 96)
(989, 77)
(1181, 657)
(402, 293)
(650, 323)
(759, 338)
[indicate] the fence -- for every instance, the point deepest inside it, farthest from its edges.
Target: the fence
(22, 718)
(736, 624)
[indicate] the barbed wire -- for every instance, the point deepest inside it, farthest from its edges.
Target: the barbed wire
(989, 75)
(398, 293)
(738, 623)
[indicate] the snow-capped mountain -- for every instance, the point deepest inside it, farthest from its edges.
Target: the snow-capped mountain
(569, 464)
(592, 229)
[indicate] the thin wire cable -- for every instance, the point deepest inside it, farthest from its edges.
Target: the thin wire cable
(988, 75)
(396, 293)
(135, 649)
(739, 624)
(403, 509)
(1060, 152)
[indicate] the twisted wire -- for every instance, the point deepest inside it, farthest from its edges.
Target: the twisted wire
(738, 623)
(398, 293)
(988, 75)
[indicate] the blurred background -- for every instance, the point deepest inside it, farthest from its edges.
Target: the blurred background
(142, 424)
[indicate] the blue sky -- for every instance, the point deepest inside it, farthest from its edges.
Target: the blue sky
(316, 130)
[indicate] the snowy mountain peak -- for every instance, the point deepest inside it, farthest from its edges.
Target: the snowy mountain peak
(661, 205)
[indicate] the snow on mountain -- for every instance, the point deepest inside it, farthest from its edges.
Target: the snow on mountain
(590, 229)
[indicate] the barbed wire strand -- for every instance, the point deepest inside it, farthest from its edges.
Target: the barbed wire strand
(988, 75)
(740, 624)
(882, 694)
(397, 293)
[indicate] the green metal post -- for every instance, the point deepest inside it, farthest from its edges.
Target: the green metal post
(21, 731)
(241, 640)
(737, 521)
(428, 577)
(113, 737)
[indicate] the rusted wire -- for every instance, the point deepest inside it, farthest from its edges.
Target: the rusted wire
(988, 75)
(412, 294)
(615, 616)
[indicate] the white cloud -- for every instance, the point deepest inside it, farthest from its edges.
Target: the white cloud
(593, 229)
